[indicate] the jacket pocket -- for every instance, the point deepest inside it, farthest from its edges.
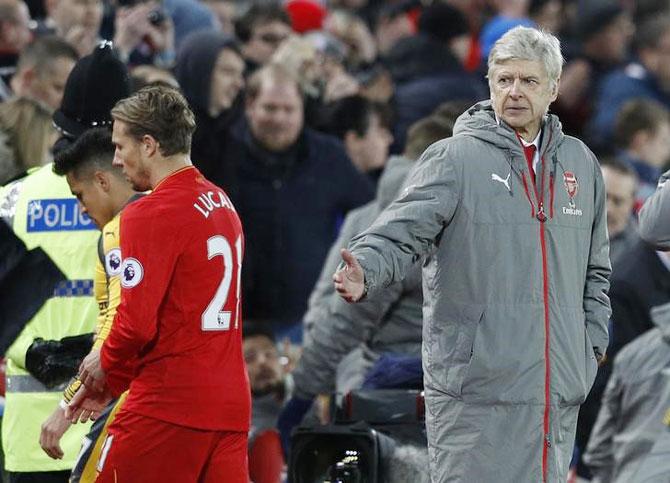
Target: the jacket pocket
(453, 342)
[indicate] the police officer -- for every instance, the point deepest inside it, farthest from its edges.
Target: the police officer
(42, 212)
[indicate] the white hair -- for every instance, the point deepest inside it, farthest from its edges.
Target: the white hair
(524, 43)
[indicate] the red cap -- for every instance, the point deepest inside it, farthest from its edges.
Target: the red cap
(305, 15)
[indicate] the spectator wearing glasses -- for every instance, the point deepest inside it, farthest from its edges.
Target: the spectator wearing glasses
(261, 30)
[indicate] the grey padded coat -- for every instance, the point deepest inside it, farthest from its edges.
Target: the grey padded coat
(513, 306)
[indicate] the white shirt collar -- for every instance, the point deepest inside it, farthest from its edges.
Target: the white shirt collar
(535, 142)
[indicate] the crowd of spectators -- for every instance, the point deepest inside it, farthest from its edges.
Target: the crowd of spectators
(306, 108)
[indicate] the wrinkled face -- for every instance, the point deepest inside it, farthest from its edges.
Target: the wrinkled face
(620, 189)
(129, 156)
(82, 14)
(265, 38)
(276, 115)
(227, 80)
(93, 199)
(263, 367)
(521, 93)
(370, 151)
(49, 85)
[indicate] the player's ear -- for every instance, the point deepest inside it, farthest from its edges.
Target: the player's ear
(101, 178)
(149, 145)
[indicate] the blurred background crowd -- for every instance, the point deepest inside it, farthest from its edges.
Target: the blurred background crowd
(310, 114)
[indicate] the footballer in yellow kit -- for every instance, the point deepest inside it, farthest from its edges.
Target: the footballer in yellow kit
(102, 192)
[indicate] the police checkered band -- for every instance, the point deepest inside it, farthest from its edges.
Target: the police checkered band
(9, 201)
(74, 288)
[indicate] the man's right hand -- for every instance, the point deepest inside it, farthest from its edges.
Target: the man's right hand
(52, 431)
(350, 280)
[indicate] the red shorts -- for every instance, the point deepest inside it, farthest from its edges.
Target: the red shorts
(139, 448)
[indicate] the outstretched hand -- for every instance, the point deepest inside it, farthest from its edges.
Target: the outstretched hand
(350, 280)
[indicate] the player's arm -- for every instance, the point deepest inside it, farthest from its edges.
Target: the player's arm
(112, 272)
(149, 249)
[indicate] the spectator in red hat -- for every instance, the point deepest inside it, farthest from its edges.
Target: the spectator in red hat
(305, 15)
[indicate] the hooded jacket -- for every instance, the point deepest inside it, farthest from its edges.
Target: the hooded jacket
(515, 294)
(212, 148)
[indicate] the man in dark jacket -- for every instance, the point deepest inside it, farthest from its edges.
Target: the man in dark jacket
(293, 185)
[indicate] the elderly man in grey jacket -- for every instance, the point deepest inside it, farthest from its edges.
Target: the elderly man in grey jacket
(516, 276)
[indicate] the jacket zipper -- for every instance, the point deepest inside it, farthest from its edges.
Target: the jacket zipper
(542, 218)
(547, 366)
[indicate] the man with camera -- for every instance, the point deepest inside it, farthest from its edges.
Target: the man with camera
(143, 31)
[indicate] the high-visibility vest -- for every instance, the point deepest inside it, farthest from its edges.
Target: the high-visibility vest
(42, 212)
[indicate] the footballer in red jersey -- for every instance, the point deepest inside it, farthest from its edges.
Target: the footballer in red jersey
(176, 340)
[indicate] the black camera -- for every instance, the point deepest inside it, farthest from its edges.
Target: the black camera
(338, 454)
(359, 443)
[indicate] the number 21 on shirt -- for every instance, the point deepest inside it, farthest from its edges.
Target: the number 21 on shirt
(215, 317)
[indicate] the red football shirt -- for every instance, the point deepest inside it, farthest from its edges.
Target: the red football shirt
(176, 337)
